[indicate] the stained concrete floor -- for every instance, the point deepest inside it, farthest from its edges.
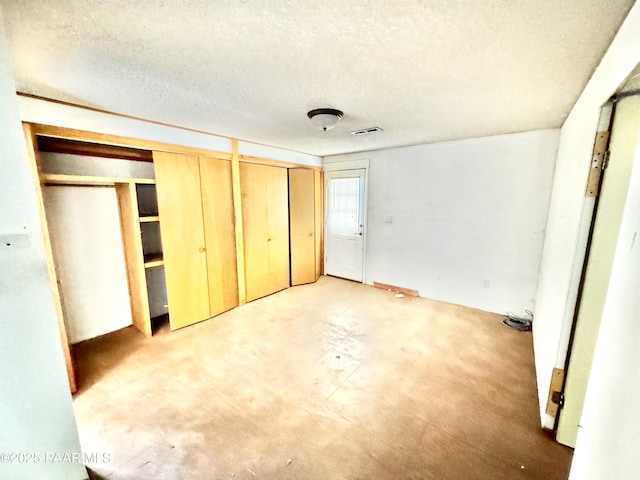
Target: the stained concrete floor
(333, 380)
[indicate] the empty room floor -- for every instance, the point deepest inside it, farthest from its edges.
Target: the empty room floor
(334, 380)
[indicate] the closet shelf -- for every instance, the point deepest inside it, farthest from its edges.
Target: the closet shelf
(153, 260)
(60, 179)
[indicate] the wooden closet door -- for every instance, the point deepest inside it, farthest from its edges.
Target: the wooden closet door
(220, 235)
(183, 240)
(253, 187)
(302, 225)
(278, 225)
(319, 220)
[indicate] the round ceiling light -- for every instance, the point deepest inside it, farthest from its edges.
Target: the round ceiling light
(325, 118)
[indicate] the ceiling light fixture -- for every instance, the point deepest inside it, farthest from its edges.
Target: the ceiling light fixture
(325, 118)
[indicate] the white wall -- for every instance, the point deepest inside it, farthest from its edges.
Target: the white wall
(86, 237)
(564, 248)
(51, 113)
(468, 218)
(609, 437)
(36, 414)
(264, 151)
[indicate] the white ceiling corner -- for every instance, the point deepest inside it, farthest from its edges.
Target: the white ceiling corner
(423, 71)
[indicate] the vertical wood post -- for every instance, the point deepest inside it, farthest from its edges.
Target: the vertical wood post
(237, 207)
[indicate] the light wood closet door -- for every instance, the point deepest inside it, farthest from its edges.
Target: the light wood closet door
(220, 236)
(253, 185)
(278, 218)
(183, 239)
(265, 220)
(302, 225)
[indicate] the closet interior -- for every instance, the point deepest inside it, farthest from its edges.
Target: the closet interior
(143, 233)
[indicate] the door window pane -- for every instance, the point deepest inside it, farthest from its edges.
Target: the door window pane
(344, 201)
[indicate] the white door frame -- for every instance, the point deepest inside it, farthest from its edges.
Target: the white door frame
(579, 263)
(624, 125)
(338, 167)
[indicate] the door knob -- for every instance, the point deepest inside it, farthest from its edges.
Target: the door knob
(201, 249)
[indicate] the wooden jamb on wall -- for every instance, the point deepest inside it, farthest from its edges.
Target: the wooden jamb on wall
(237, 208)
(132, 243)
(32, 152)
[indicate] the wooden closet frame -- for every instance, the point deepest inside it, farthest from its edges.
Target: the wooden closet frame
(34, 130)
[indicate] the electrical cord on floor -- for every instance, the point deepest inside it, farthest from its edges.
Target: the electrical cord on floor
(522, 324)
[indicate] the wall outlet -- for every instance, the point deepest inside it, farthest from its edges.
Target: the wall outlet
(13, 241)
(388, 219)
(486, 284)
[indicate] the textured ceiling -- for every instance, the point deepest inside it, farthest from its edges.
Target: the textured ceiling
(424, 71)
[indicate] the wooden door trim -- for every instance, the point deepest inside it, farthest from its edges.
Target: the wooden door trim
(32, 153)
(275, 163)
(237, 207)
(132, 243)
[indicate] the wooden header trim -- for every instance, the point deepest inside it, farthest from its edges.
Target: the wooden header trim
(107, 139)
(154, 122)
(275, 163)
(70, 140)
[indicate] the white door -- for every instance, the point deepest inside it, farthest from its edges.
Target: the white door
(623, 149)
(344, 240)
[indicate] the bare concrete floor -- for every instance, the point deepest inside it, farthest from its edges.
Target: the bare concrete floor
(333, 380)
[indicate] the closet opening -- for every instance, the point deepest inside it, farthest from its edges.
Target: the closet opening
(101, 212)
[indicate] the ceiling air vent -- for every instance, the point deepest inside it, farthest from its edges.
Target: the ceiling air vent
(366, 131)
